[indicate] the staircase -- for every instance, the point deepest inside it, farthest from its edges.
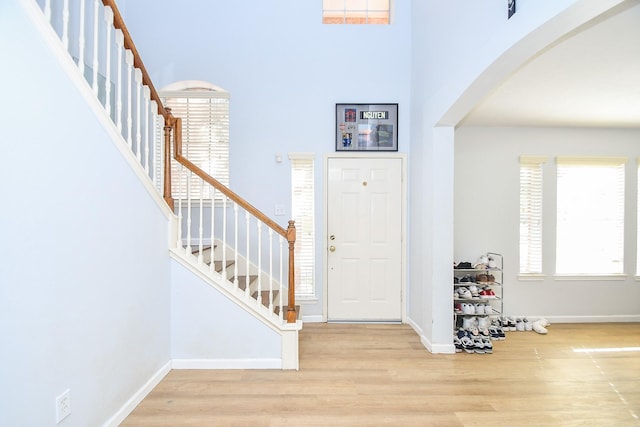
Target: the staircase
(223, 240)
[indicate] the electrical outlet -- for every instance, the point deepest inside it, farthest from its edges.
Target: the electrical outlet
(279, 210)
(63, 406)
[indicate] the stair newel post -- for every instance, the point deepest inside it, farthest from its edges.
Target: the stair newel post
(291, 307)
(168, 125)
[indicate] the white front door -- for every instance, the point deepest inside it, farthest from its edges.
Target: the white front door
(364, 239)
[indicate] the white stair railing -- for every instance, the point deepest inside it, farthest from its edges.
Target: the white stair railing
(244, 249)
(86, 30)
(94, 36)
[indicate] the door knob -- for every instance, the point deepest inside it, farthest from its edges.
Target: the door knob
(332, 248)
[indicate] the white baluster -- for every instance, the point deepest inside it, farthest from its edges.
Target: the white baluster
(224, 234)
(248, 254)
(81, 39)
(188, 247)
(96, 32)
(157, 146)
(47, 10)
(65, 24)
(108, 19)
(235, 242)
(120, 48)
(129, 61)
(259, 263)
(147, 96)
(281, 287)
(270, 269)
(213, 217)
(179, 177)
(138, 75)
(201, 225)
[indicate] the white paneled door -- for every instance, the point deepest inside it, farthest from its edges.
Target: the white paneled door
(364, 239)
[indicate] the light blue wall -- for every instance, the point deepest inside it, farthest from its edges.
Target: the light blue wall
(84, 271)
(285, 72)
(460, 52)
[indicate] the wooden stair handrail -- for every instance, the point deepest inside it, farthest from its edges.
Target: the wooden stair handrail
(174, 123)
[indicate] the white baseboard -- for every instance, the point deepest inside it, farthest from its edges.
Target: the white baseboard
(313, 318)
(138, 396)
(432, 348)
(226, 364)
(617, 318)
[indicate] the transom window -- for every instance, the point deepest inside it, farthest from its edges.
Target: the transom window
(355, 11)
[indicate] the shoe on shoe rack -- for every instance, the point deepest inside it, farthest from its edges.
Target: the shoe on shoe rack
(457, 308)
(488, 309)
(537, 326)
(481, 278)
(479, 308)
(467, 308)
(455, 280)
(491, 278)
(469, 323)
(519, 325)
(474, 290)
(466, 279)
(464, 293)
(484, 322)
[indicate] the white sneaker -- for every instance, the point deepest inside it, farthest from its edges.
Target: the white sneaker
(537, 326)
(469, 322)
(519, 325)
(484, 323)
(479, 308)
(527, 324)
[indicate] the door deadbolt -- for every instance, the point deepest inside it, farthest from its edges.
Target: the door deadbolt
(332, 237)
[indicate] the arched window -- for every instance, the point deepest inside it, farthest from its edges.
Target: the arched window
(204, 110)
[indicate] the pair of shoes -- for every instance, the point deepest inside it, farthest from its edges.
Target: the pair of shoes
(482, 278)
(496, 330)
(540, 326)
(468, 308)
(528, 326)
(487, 293)
(463, 293)
(467, 279)
(519, 325)
(463, 265)
(508, 324)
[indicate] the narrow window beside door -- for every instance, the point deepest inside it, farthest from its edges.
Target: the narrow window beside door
(303, 213)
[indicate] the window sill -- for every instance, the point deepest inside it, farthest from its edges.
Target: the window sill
(532, 277)
(589, 277)
(306, 301)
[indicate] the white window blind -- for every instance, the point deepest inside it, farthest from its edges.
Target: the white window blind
(590, 216)
(205, 135)
(531, 214)
(303, 213)
(355, 11)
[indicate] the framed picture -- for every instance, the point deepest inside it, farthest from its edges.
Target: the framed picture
(366, 127)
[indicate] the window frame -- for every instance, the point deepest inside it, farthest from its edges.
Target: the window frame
(303, 213)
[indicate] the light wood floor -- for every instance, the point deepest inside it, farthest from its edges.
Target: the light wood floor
(380, 375)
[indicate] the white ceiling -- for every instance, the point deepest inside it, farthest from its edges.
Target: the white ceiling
(590, 78)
